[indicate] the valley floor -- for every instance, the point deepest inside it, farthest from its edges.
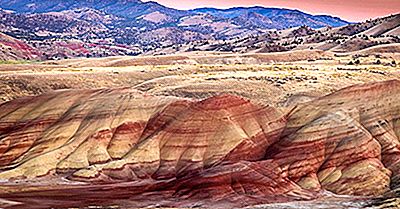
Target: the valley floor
(277, 79)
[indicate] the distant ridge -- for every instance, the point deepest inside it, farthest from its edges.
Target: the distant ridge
(280, 18)
(61, 29)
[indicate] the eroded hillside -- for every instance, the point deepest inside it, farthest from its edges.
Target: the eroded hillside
(223, 151)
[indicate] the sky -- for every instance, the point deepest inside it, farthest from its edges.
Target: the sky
(351, 10)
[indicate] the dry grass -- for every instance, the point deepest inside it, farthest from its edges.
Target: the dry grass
(264, 78)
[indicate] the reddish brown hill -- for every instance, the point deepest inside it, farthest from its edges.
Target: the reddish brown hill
(14, 49)
(223, 150)
(360, 122)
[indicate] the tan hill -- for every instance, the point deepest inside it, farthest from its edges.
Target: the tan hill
(343, 39)
(394, 32)
(381, 49)
(14, 49)
(384, 26)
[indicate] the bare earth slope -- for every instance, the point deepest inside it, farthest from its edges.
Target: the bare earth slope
(222, 151)
(14, 49)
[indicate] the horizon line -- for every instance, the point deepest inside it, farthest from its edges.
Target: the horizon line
(304, 10)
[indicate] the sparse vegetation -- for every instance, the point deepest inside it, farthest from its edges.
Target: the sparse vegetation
(83, 37)
(15, 62)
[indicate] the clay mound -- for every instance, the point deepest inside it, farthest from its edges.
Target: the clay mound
(188, 137)
(122, 135)
(67, 130)
(221, 149)
(360, 122)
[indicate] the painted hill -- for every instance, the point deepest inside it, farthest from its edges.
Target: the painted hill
(222, 150)
(14, 49)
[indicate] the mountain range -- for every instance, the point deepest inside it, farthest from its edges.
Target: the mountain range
(77, 28)
(159, 14)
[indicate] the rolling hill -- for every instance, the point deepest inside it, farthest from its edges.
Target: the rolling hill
(130, 27)
(65, 29)
(276, 18)
(343, 39)
(136, 9)
(14, 49)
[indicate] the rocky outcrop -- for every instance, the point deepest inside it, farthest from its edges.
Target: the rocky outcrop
(223, 149)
